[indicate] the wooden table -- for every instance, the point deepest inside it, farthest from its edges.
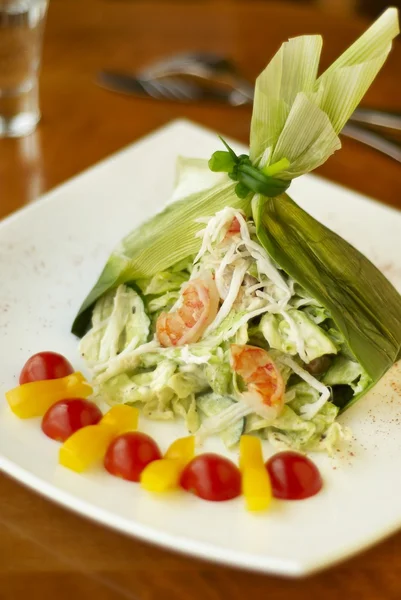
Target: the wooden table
(45, 551)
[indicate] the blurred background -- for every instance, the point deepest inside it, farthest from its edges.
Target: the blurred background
(83, 123)
(371, 8)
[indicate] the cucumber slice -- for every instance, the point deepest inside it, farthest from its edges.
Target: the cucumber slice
(212, 404)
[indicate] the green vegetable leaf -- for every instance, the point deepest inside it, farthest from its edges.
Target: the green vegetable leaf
(119, 320)
(162, 282)
(250, 178)
(229, 150)
(241, 190)
(364, 305)
(221, 161)
(283, 336)
(342, 86)
(298, 116)
(159, 243)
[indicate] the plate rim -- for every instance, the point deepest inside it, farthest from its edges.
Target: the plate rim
(177, 543)
(169, 541)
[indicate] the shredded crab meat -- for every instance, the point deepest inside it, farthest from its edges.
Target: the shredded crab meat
(304, 302)
(224, 419)
(263, 261)
(114, 327)
(240, 248)
(189, 357)
(213, 228)
(106, 332)
(299, 342)
(235, 285)
(243, 320)
(254, 288)
(124, 361)
(274, 307)
(227, 259)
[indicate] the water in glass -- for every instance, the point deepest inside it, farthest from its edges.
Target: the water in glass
(21, 29)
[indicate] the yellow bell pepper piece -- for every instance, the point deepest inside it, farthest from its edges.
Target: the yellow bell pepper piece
(121, 418)
(183, 448)
(35, 398)
(256, 488)
(86, 447)
(256, 485)
(163, 475)
(250, 452)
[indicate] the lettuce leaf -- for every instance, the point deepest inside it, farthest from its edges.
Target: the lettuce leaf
(120, 322)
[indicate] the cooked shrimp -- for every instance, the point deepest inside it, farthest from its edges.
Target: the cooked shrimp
(198, 308)
(265, 385)
(234, 228)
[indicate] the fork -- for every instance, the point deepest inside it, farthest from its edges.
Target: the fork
(205, 66)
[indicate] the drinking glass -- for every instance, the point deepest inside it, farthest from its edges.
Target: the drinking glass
(21, 31)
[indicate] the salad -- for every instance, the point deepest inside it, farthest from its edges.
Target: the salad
(232, 338)
(48, 389)
(235, 309)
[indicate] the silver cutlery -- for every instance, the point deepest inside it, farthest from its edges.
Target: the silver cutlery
(203, 76)
(169, 88)
(389, 147)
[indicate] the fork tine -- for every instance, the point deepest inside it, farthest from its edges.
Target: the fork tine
(167, 89)
(181, 89)
(160, 89)
(164, 65)
(152, 88)
(173, 89)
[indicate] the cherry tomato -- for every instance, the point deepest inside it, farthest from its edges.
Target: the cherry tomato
(293, 476)
(128, 455)
(67, 416)
(212, 477)
(45, 365)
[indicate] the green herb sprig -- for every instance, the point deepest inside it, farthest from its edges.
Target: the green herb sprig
(250, 179)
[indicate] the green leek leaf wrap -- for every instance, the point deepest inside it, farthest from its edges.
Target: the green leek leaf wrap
(364, 305)
(295, 123)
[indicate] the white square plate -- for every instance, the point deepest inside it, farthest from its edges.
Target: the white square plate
(51, 254)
